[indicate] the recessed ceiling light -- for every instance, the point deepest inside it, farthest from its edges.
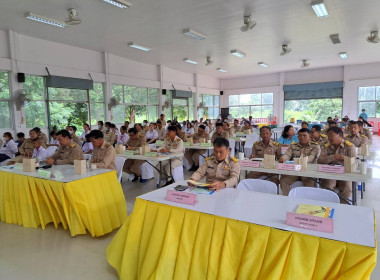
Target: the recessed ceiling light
(139, 47)
(190, 61)
(194, 34)
(343, 55)
(119, 3)
(221, 70)
(238, 53)
(46, 20)
(319, 8)
(262, 64)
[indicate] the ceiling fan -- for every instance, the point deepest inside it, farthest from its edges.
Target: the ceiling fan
(304, 63)
(73, 18)
(248, 24)
(209, 61)
(285, 50)
(373, 38)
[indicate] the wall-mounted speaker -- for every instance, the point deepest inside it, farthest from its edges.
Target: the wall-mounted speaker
(221, 92)
(163, 91)
(21, 77)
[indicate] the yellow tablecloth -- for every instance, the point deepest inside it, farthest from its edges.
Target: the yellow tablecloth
(164, 242)
(261, 124)
(95, 204)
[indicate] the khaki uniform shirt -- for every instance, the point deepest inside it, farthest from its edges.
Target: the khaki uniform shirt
(245, 130)
(174, 147)
(205, 136)
(367, 133)
(145, 128)
(328, 151)
(75, 139)
(28, 147)
(227, 171)
(273, 148)
(67, 154)
(182, 135)
(141, 132)
(136, 143)
(215, 135)
(110, 138)
(322, 140)
(43, 138)
(311, 150)
(104, 157)
(230, 131)
(236, 129)
(358, 140)
(161, 133)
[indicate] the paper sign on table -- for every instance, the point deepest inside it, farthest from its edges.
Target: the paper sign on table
(309, 222)
(129, 153)
(250, 163)
(339, 169)
(186, 144)
(18, 166)
(159, 143)
(289, 167)
(181, 197)
(206, 145)
(240, 134)
(44, 174)
(151, 154)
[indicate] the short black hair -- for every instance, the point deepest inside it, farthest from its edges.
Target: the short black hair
(9, 135)
(352, 122)
(86, 124)
(317, 127)
(305, 123)
(133, 130)
(336, 130)
(345, 119)
(87, 136)
(360, 123)
(37, 129)
(113, 125)
(265, 127)
(329, 118)
(20, 134)
(101, 122)
(220, 142)
(108, 123)
(123, 127)
(219, 124)
(174, 128)
(64, 133)
(332, 122)
(73, 127)
(179, 127)
(161, 115)
(96, 134)
(303, 130)
(158, 121)
(52, 133)
(202, 126)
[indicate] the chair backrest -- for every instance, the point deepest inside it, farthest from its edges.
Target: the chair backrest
(119, 162)
(257, 185)
(314, 194)
(232, 146)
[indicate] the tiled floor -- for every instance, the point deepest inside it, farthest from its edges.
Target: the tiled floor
(36, 254)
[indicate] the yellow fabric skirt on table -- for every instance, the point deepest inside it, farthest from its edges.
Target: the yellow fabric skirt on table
(95, 204)
(164, 242)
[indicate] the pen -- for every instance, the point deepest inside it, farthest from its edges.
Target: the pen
(212, 192)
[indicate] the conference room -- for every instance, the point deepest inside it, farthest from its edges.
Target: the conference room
(189, 140)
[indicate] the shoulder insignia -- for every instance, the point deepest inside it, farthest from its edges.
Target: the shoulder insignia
(327, 145)
(315, 143)
(348, 143)
(234, 159)
(294, 142)
(107, 145)
(178, 140)
(141, 136)
(364, 136)
(323, 135)
(72, 145)
(276, 143)
(208, 158)
(257, 142)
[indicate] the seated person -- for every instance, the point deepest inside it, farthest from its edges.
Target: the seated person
(334, 153)
(247, 128)
(192, 155)
(123, 137)
(87, 130)
(87, 146)
(268, 147)
(8, 148)
(27, 148)
(39, 152)
(41, 135)
(115, 131)
(236, 127)
(189, 130)
(72, 130)
(336, 119)
(355, 137)
(20, 139)
(132, 166)
(303, 148)
(151, 135)
(126, 124)
(227, 128)
(317, 135)
(180, 133)
(331, 123)
(288, 136)
(364, 116)
(251, 121)
(145, 126)
(172, 144)
(365, 131)
(305, 125)
(108, 135)
(139, 128)
(101, 126)
(161, 130)
(67, 152)
(219, 132)
(103, 154)
(221, 170)
(53, 140)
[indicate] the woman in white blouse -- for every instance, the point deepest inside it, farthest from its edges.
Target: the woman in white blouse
(8, 147)
(189, 130)
(87, 130)
(151, 135)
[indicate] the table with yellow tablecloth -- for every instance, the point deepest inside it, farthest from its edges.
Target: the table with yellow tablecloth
(160, 241)
(95, 204)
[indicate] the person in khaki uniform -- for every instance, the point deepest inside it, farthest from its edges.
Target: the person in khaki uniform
(192, 155)
(317, 135)
(109, 136)
(27, 148)
(331, 123)
(334, 153)
(268, 147)
(174, 145)
(219, 132)
(161, 131)
(303, 148)
(139, 128)
(247, 128)
(72, 129)
(132, 166)
(236, 127)
(355, 137)
(103, 154)
(41, 135)
(364, 131)
(180, 133)
(221, 170)
(67, 152)
(227, 128)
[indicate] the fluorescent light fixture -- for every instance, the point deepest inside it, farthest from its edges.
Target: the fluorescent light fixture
(319, 8)
(221, 70)
(343, 55)
(119, 3)
(46, 20)
(194, 34)
(139, 47)
(238, 53)
(262, 64)
(190, 61)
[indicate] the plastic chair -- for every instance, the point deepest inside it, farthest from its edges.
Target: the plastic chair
(232, 146)
(178, 174)
(257, 185)
(314, 194)
(119, 162)
(146, 171)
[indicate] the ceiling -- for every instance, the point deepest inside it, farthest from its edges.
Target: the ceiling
(159, 24)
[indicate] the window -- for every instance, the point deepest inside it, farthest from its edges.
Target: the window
(210, 106)
(35, 109)
(5, 112)
(97, 104)
(136, 104)
(258, 105)
(369, 99)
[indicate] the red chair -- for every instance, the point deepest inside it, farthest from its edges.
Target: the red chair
(378, 126)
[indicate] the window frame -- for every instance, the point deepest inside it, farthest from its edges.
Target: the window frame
(376, 101)
(9, 101)
(213, 106)
(250, 105)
